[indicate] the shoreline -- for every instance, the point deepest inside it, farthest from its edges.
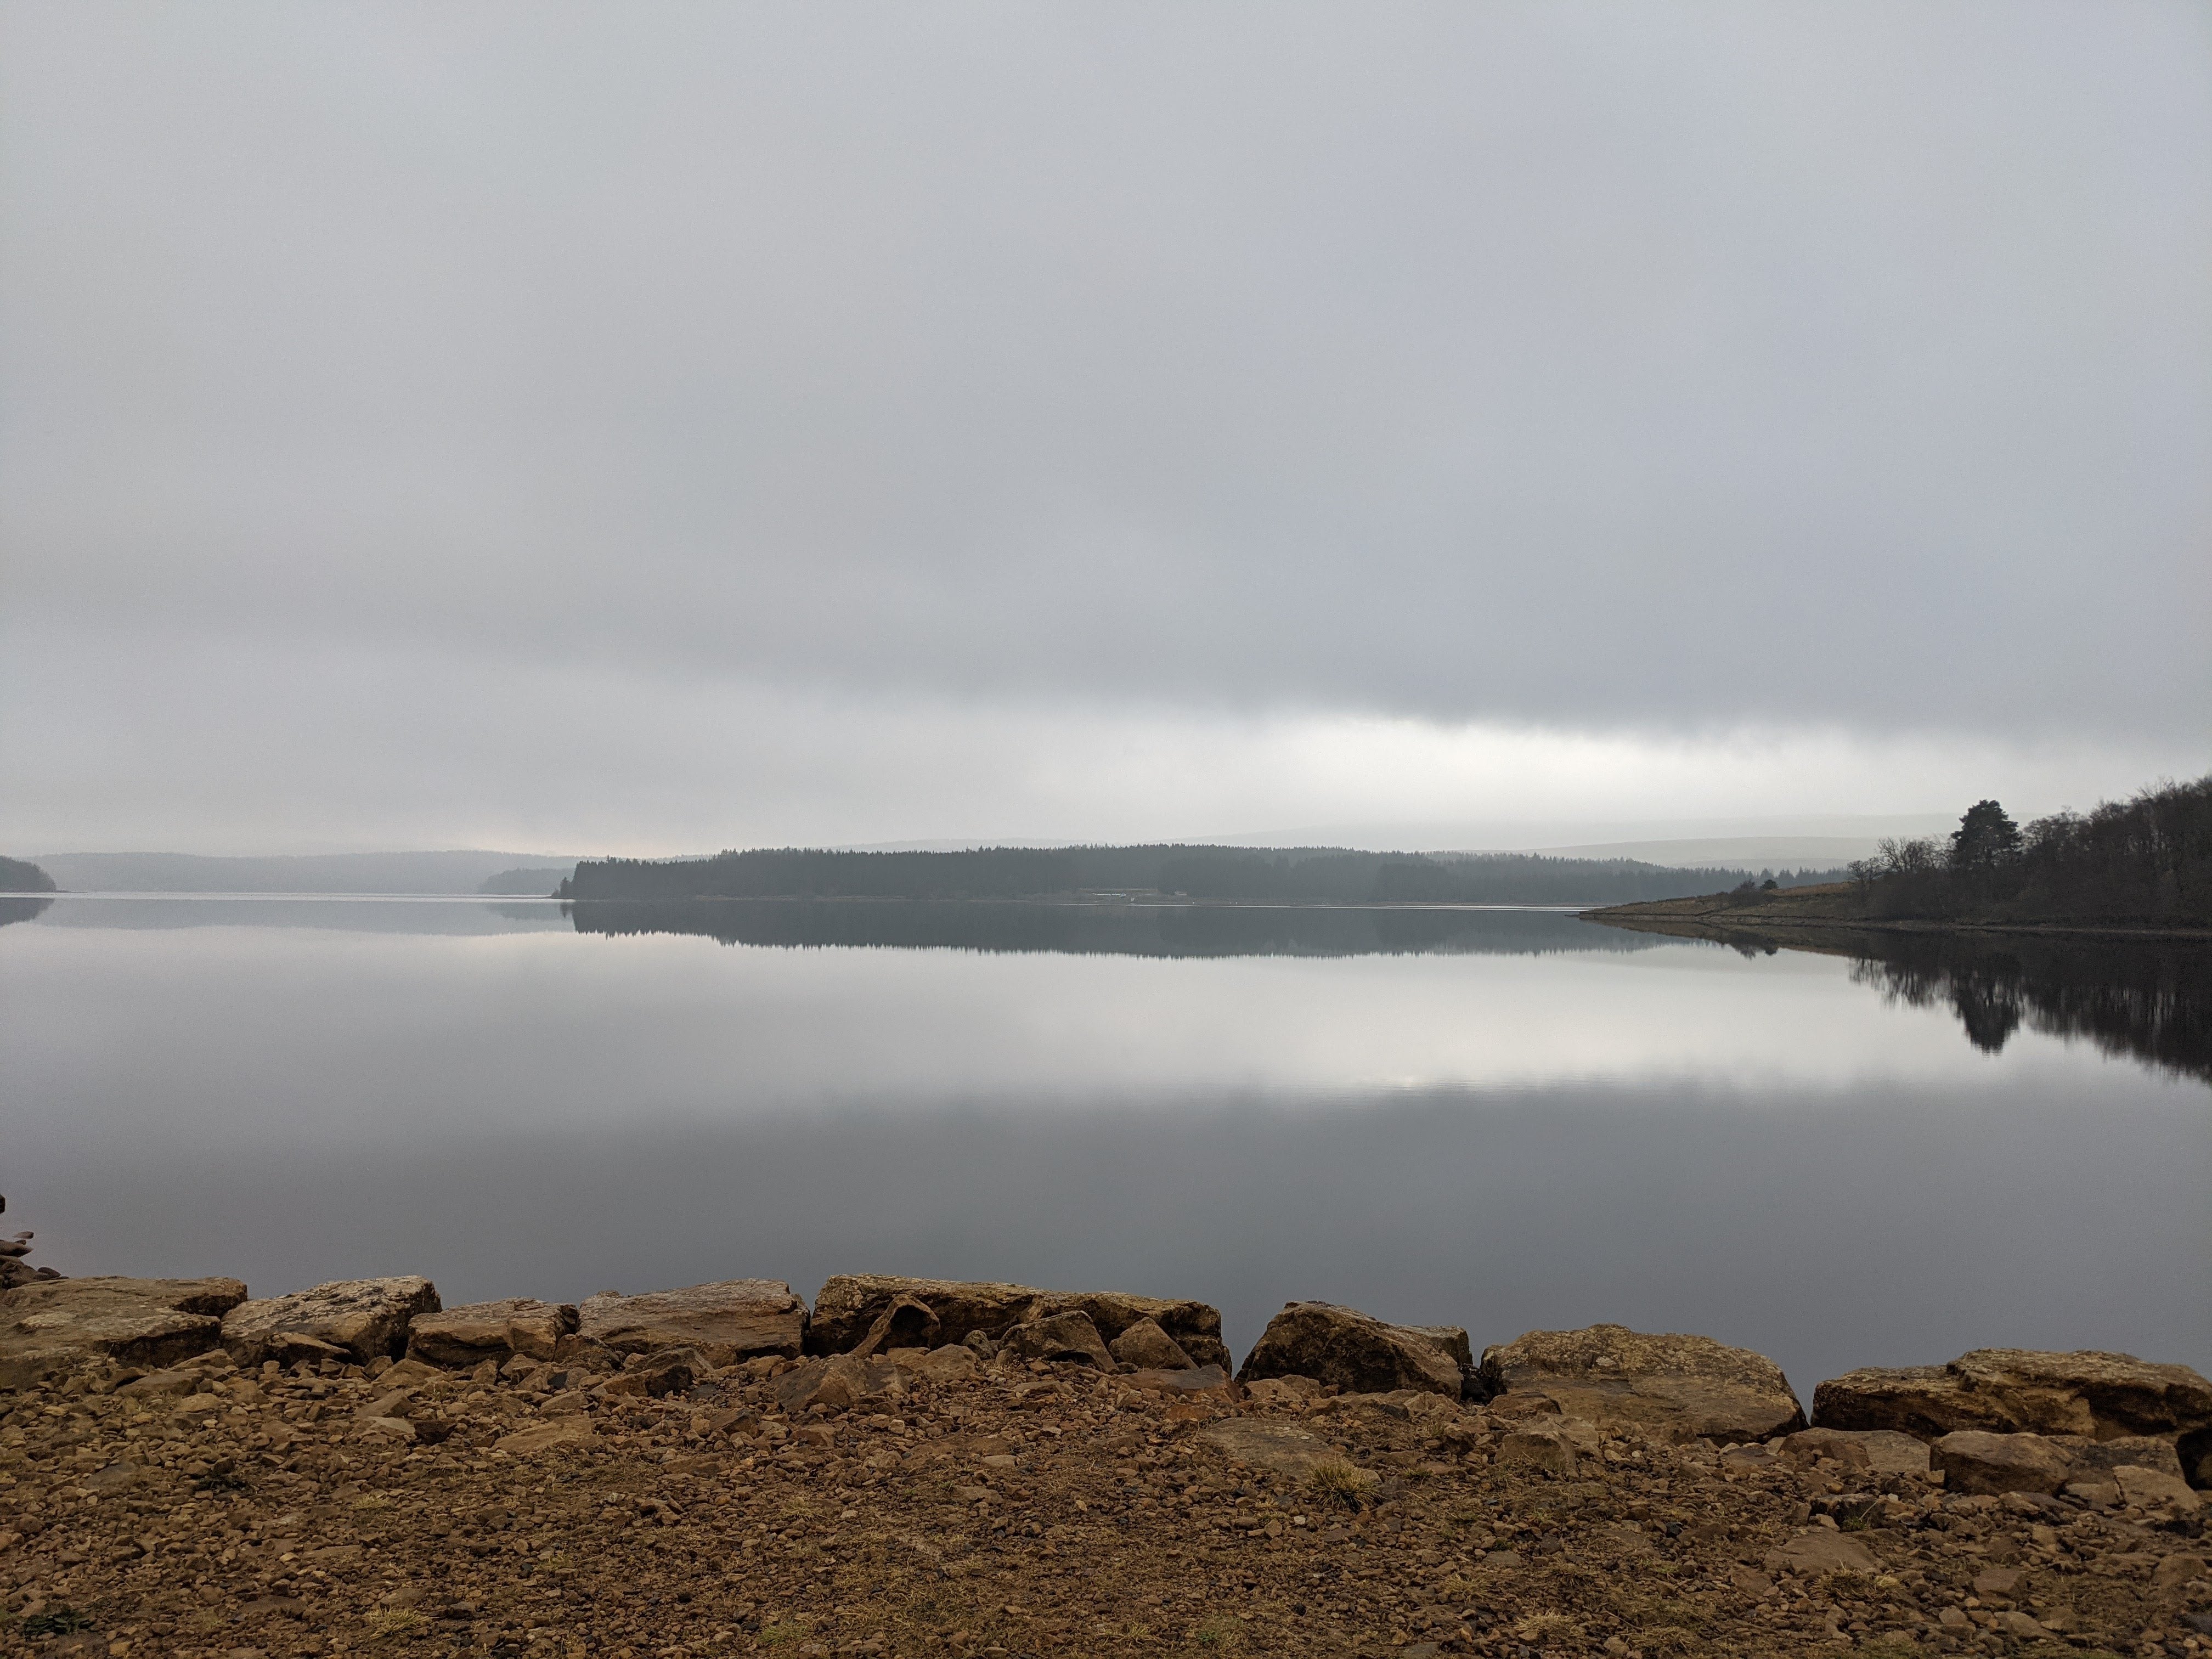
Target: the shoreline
(1682, 917)
(924, 1468)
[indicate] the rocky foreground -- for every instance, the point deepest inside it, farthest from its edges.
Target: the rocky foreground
(925, 1469)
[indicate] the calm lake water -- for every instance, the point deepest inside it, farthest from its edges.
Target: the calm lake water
(1499, 1119)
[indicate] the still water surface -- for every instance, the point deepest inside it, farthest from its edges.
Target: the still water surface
(1499, 1119)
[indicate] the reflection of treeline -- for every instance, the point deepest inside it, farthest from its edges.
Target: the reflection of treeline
(2151, 1001)
(2147, 859)
(21, 875)
(1228, 874)
(1103, 929)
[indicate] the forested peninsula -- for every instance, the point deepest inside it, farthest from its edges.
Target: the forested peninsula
(21, 875)
(1168, 873)
(2141, 865)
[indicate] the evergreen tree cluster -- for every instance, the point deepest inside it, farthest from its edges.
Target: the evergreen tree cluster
(2145, 860)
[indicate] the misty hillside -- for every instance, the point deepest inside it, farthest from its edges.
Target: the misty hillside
(1230, 874)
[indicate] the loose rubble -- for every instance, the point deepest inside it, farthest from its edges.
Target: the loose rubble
(1039, 1475)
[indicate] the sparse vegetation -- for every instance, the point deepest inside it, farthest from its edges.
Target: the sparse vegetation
(1341, 1483)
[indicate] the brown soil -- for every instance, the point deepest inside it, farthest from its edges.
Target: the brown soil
(1023, 1510)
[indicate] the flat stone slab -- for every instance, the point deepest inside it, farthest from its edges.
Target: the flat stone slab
(52, 1324)
(1667, 1387)
(1359, 1354)
(1194, 1379)
(465, 1336)
(731, 1320)
(2100, 1395)
(352, 1320)
(1277, 1446)
(1820, 1551)
(569, 1433)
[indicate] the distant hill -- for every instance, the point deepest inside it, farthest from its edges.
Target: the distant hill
(322, 873)
(21, 875)
(1315, 875)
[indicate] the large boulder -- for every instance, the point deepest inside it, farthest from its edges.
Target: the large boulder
(1357, 1353)
(851, 1304)
(1064, 1335)
(1976, 1460)
(1194, 1326)
(353, 1320)
(1149, 1348)
(2018, 1391)
(53, 1324)
(839, 1382)
(1668, 1388)
(735, 1319)
(461, 1337)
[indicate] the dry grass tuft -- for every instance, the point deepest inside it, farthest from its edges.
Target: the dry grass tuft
(1342, 1483)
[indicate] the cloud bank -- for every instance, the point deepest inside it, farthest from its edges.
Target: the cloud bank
(841, 423)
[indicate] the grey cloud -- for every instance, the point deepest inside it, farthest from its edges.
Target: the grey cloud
(1593, 366)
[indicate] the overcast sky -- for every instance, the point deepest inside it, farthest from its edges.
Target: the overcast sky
(596, 427)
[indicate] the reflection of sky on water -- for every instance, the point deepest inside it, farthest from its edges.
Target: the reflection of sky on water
(1676, 1135)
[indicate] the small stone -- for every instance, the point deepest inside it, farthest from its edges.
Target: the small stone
(951, 1364)
(1541, 1449)
(1877, 1451)
(2177, 1571)
(842, 1381)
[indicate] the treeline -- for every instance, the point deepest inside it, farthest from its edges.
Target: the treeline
(21, 875)
(1317, 875)
(2146, 859)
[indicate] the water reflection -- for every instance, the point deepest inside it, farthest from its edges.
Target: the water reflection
(2150, 1001)
(2146, 999)
(367, 914)
(1503, 1119)
(21, 910)
(1108, 929)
